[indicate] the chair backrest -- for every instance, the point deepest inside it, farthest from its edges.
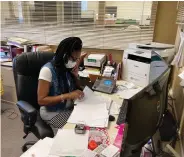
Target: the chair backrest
(26, 68)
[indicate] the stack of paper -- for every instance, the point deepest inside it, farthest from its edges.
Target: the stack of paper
(126, 90)
(17, 41)
(92, 111)
(40, 149)
(110, 151)
(68, 143)
(92, 98)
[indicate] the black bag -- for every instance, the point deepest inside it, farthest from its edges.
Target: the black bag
(168, 127)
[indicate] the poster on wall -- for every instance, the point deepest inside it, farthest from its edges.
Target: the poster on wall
(179, 58)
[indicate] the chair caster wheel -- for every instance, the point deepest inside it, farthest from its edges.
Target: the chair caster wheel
(24, 148)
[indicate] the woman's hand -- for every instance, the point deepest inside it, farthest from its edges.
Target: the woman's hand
(75, 70)
(77, 94)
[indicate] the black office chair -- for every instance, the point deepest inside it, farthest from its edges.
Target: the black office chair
(26, 68)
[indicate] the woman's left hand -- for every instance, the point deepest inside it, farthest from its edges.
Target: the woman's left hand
(75, 70)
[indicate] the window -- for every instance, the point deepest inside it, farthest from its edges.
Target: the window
(100, 24)
(84, 5)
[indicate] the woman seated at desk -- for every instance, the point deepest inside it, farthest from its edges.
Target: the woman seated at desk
(58, 84)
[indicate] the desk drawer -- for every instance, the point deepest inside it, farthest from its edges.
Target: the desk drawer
(139, 68)
(138, 80)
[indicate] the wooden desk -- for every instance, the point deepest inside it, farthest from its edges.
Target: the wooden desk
(111, 127)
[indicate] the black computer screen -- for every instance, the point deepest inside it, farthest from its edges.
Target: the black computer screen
(145, 112)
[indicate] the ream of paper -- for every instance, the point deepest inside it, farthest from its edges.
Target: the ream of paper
(110, 151)
(68, 143)
(39, 149)
(127, 94)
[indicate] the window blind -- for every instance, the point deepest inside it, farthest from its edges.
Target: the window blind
(100, 24)
(180, 14)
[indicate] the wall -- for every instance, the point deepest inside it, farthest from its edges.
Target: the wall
(117, 55)
(131, 10)
(165, 25)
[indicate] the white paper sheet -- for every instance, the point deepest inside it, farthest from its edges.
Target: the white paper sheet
(114, 109)
(89, 153)
(127, 94)
(39, 149)
(89, 97)
(68, 143)
(110, 151)
(92, 111)
(127, 85)
(89, 114)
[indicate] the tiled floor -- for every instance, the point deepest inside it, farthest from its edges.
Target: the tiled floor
(12, 132)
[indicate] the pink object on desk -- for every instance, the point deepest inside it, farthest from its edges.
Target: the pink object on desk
(110, 59)
(119, 136)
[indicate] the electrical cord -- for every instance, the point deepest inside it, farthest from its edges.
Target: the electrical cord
(154, 154)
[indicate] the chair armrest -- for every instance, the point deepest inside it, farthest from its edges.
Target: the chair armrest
(26, 107)
(33, 122)
(28, 113)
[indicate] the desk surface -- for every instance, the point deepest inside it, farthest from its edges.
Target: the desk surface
(7, 64)
(111, 127)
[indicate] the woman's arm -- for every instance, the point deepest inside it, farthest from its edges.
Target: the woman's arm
(44, 99)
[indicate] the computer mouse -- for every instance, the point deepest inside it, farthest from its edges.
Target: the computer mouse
(111, 118)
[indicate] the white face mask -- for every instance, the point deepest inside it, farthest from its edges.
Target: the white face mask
(70, 64)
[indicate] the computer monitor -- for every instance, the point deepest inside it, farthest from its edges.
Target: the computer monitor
(144, 114)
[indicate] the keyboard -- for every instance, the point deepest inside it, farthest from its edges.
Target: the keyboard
(123, 113)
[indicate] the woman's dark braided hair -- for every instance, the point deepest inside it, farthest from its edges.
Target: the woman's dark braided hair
(63, 52)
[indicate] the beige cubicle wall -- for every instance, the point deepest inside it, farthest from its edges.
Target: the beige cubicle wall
(165, 24)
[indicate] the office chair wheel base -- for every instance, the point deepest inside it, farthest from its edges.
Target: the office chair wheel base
(24, 148)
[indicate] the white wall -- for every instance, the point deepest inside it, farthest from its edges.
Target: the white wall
(131, 10)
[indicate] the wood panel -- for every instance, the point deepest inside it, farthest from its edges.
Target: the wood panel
(116, 54)
(165, 25)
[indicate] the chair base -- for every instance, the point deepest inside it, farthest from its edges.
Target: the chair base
(30, 143)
